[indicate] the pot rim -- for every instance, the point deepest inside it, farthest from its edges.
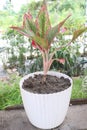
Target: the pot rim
(50, 73)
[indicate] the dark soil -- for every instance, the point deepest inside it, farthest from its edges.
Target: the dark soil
(52, 84)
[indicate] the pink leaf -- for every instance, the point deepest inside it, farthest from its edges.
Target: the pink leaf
(34, 44)
(63, 30)
(62, 61)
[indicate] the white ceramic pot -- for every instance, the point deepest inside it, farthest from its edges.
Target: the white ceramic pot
(46, 111)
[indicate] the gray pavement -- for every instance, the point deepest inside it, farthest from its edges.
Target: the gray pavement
(76, 119)
(3, 73)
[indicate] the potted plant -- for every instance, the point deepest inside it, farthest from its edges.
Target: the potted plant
(46, 94)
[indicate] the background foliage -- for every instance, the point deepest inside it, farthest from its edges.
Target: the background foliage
(57, 9)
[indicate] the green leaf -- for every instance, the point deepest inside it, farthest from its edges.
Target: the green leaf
(77, 33)
(55, 30)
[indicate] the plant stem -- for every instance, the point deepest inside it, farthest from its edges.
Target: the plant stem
(45, 56)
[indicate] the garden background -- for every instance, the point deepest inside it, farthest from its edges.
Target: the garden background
(18, 57)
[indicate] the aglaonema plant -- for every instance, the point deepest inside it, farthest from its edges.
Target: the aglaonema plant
(42, 35)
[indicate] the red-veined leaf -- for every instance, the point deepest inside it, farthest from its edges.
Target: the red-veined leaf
(26, 16)
(42, 21)
(55, 30)
(21, 31)
(77, 33)
(41, 42)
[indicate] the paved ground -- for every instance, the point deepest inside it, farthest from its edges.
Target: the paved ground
(3, 73)
(76, 119)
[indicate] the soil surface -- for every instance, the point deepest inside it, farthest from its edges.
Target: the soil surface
(52, 84)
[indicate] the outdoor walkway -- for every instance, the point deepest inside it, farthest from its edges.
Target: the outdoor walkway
(76, 119)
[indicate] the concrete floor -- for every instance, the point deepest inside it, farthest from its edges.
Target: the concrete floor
(76, 119)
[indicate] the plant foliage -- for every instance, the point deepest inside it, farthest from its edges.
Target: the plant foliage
(42, 34)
